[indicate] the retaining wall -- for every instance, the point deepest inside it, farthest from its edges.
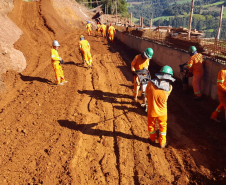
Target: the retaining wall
(164, 55)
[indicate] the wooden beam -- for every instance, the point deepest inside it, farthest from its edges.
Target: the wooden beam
(151, 21)
(190, 21)
(220, 22)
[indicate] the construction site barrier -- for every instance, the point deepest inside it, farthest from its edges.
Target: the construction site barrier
(165, 55)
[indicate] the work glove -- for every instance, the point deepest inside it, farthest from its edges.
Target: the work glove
(134, 73)
(62, 62)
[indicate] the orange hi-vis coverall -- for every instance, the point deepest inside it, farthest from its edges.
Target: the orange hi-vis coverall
(103, 29)
(138, 63)
(85, 50)
(195, 65)
(221, 84)
(157, 110)
(98, 28)
(56, 66)
(89, 28)
(111, 32)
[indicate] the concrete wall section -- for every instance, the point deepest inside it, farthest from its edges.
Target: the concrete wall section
(164, 55)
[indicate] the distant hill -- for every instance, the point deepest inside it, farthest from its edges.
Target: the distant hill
(176, 13)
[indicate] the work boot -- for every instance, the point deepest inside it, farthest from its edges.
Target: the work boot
(153, 142)
(216, 120)
(89, 67)
(197, 98)
(61, 83)
(163, 146)
(135, 99)
(64, 82)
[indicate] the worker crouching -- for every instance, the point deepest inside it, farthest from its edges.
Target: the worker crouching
(84, 48)
(157, 93)
(195, 65)
(140, 62)
(56, 61)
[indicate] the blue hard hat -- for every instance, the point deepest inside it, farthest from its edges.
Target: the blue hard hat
(87, 21)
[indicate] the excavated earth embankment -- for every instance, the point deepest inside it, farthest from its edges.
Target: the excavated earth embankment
(89, 131)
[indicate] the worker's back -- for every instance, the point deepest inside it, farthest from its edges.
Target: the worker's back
(140, 63)
(157, 100)
(111, 29)
(197, 64)
(84, 45)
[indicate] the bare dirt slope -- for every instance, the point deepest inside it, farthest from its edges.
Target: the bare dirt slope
(89, 131)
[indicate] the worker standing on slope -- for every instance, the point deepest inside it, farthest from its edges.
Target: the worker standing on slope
(56, 61)
(140, 62)
(84, 48)
(103, 29)
(89, 28)
(98, 28)
(111, 32)
(157, 93)
(195, 65)
(221, 84)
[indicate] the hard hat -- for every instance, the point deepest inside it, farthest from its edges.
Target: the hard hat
(87, 21)
(81, 37)
(56, 43)
(166, 73)
(110, 24)
(166, 70)
(148, 53)
(192, 49)
(98, 23)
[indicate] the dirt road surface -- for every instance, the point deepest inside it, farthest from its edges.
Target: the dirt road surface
(89, 131)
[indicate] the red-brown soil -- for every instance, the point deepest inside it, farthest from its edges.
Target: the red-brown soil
(89, 131)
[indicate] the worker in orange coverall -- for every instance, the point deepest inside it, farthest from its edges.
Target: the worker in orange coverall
(98, 28)
(89, 28)
(157, 93)
(103, 29)
(56, 61)
(221, 84)
(84, 48)
(140, 62)
(195, 65)
(111, 32)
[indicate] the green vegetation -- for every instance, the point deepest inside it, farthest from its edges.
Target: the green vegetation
(213, 4)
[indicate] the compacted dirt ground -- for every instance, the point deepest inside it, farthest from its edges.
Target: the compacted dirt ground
(89, 131)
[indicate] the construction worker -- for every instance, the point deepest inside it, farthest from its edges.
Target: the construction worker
(98, 28)
(84, 48)
(56, 61)
(221, 84)
(140, 62)
(103, 29)
(89, 27)
(111, 32)
(195, 65)
(157, 93)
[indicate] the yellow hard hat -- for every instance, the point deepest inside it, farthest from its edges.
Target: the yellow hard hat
(81, 36)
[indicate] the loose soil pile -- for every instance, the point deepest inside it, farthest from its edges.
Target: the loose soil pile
(89, 131)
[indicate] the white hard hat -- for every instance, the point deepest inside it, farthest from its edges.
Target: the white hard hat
(56, 43)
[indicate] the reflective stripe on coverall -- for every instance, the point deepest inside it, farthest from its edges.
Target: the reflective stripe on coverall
(85, 50)
(221, 84)
(103, 29)
(157, 110)
(56, 66)
(98, 28)
(89, 26)
(195, 65)
(111, 32)
(138, 63)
